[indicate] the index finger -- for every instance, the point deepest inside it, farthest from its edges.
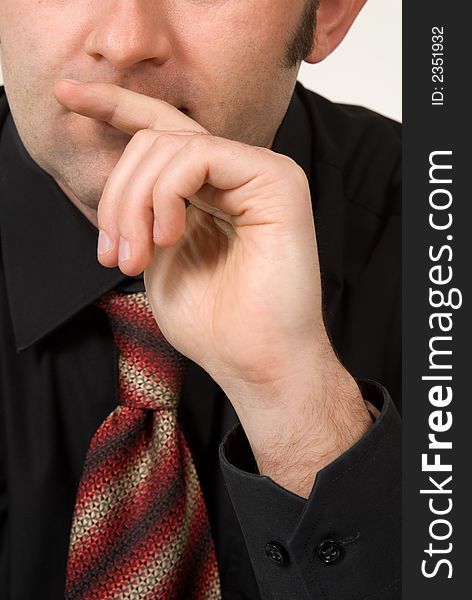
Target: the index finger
(122, 108)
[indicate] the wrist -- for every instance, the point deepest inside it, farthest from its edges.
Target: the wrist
(297, 426)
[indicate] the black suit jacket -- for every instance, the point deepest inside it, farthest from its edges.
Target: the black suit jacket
(343, 542)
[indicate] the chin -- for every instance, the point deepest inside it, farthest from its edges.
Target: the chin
(84, 186)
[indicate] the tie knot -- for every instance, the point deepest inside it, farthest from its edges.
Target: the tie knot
(150, 369)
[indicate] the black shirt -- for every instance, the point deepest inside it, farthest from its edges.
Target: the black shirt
(58, 378)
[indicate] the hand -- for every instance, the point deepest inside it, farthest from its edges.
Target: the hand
(233, 279)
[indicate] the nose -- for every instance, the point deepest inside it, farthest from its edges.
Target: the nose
(128, 32)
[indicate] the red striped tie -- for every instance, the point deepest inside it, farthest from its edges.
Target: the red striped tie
(140, 528)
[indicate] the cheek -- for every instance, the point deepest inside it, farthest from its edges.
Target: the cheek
(225, 55)
(232, 56)
(40, 43)
(33, 35)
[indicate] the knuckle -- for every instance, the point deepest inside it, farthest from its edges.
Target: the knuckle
(199, 141)
(134, 205)
(166, 140)
(143, 135)
(161, 190)
(262, 155)
(292, 169)
(287, 163)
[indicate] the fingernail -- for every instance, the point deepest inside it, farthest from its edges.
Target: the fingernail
(124, 250)
(104, 242)
(156, 230)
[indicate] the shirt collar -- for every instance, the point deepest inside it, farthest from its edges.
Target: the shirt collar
(49, 246)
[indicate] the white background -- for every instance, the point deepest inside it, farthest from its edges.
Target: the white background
(366, 68)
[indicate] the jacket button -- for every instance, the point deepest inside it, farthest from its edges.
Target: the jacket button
(329, 551)
(276, 553)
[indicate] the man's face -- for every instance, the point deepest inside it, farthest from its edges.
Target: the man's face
(224, 62)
